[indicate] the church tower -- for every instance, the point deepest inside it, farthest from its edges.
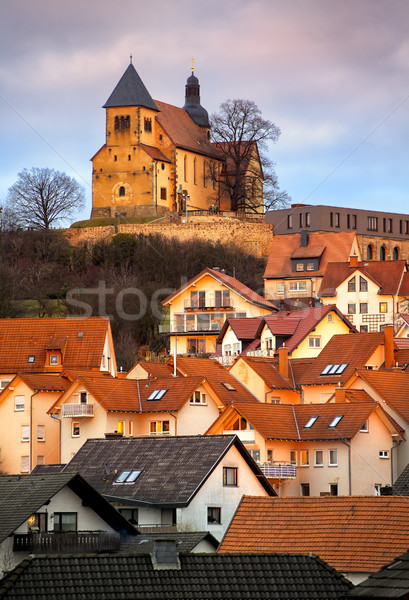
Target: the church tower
(192, 103)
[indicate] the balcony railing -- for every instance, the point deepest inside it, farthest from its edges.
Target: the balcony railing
(246, 436)
(222, 304)
(63, 542)
(77, 410)
(278, 471)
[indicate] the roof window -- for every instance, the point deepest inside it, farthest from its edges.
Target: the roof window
(31, 358)
(128, 476)
(335, 421)
(310, 422)
(228, 386)
(80, 334)
(334, 369)
(157, 394)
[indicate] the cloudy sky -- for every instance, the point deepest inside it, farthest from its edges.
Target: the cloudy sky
(332, 74)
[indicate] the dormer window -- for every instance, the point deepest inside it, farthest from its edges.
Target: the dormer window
(53, 360)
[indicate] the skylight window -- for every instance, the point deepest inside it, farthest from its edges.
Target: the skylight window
(335, 421)
(31, 358)
(310, 422)
(157, 394)
(128, 476)
(228, 386)
(334, 369)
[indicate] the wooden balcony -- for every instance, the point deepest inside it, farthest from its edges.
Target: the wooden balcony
(66, 542)
(77, 410)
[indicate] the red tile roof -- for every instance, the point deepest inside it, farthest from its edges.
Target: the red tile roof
(267, 370)
(404, 288)
(231, 282)
(391, 386)
(182, 130)
(157, 369)
(387, 275)
(216, 376)
(155, 153)
(299, 323)
(132, 395)
(354, 351)
(21, 338)
(245, 328)
(287, 422)
(45, 383)
(337, 248)
(351, 533)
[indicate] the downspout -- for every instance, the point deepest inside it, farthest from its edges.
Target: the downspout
(176, 422)
(55, 418)
(396, 444)
(139, 395)
(31, 428)
(349, 466)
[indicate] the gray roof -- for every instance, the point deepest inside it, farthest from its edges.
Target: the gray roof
(23, 495)
(401, 485)
(186, 541)
(200, 576)
(173, 469)
(392, 581)
(130, 91)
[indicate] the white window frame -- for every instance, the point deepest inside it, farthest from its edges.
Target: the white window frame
(75, 425)
(383, 453)
(157, 426)
(25, 464)
(19, 403)
(25, 433)
(316, 462)
(314, 341)
(333, 452)
(297, 286)
(40, 433)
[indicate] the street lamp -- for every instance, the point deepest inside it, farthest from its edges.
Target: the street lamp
(187, 200)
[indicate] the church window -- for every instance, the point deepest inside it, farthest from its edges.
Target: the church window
(194, 170)
(147, 124)
(122, 191)
(163, 193)
(129, 157)
(185, 168)
(396, 253)
(127, 122)
(160, 137)
(204, 173)
(382, 253)
(116, 123)
(115, 157)
(162, 166)
(369, 252)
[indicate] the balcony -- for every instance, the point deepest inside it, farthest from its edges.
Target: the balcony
(66, 542)
(246, 436)
(77, 410)
(209, 304)
(278, 471)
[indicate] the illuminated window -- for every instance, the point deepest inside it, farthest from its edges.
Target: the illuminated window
(383, 307)
(304, 458)
(159, 427)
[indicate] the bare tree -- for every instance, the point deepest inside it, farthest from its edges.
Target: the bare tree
(43, 197)
(241, 135)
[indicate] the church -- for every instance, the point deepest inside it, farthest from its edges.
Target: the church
(157, 158)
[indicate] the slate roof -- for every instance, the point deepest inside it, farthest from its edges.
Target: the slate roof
(353, 350)
(391, 386)
(351, 533)
(130, 91)
(287, 422)
(183, 131)
(21, 338)
(392, 581)
(337, 248)
(186, 541)
(200, 577)
(173, 469)
(23, 495)
(388, 279)
(230, 282)
(216, 376)
(401, 485)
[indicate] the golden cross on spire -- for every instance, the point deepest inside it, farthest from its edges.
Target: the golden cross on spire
(193, 65)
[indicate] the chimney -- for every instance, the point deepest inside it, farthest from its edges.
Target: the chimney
(340, 395)
(283, 361)
(353, 261)
(304, 239)
(389, 344)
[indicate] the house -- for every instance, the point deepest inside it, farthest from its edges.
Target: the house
(389, 388)
(159, 158)
(311, 450)
(304, 333)
(198, 309)
(185, 482)
(367, 292)
(28, 436)
(391, 581)
(166, 574)
(52, 345)
(297, 263)
(95, 405)
(55, 513)
(356, 535)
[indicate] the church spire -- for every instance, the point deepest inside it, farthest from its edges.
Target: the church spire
(192, 101)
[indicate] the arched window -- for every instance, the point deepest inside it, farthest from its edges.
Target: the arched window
(194, 170)
(121, 191)
(382, 253)
(369, 252)
(396, 253)
(116, 125)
